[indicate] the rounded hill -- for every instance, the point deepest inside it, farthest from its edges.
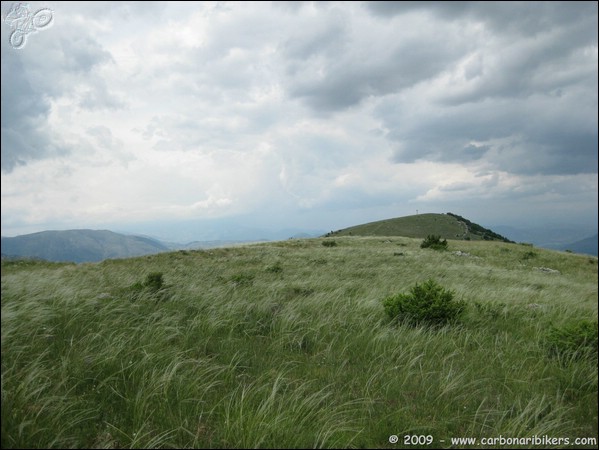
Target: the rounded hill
(447, 226)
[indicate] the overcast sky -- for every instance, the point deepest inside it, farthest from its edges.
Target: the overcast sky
(299, 115)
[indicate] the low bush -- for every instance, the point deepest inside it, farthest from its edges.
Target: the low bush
(434, 242)
(574, 340)
(426, 304)
(154, 281)
(274, 268)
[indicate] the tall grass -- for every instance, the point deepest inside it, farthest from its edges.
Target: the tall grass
(287, 345)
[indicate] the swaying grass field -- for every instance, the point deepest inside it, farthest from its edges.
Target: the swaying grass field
(287, 345)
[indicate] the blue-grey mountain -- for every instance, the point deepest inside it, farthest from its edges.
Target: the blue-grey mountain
(79, 245)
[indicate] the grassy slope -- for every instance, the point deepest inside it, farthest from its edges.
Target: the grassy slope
(286, 344)
(418, 226)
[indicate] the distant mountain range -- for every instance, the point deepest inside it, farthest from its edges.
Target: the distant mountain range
(576, 239)
(93, 245)
(79, 246)
(588, 246)
(97, 245)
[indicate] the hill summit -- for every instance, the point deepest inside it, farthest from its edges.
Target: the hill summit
(447, 226)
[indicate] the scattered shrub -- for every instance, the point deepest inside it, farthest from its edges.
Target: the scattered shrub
(298, 291)
(274, 268)
(574, 340)
(434, 242)
(528, 255)
(154, 281)
(152, 287)
(329, 243)
(426, 304)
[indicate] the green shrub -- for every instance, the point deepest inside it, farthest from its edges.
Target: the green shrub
(434, 242)
(274, 268)
(154, 281)
(577, 339)
(426, 304)
(329, 243)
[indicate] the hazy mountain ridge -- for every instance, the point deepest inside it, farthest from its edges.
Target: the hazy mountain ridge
(587, 245)
(576, 239)
(79, 245)
(97, 245)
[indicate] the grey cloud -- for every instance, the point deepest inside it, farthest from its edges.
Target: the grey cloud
(519, 68)
(393, 8)
(104, 137)
(26, 135)
(81, 53)
(65, 59)
(326, 37)
(184, 133)
(347, 79)
(527, 48)
(567, 154)
(517, 137)
(556, 152)
(522, 18)
(97, 97)
(56, 63)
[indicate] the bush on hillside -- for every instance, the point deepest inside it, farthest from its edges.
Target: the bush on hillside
(152, 287)
(574, 340)
(426, 304)
(154, 281)
(329, 243)
(434, 242)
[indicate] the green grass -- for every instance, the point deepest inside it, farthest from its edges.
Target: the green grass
(287, 344)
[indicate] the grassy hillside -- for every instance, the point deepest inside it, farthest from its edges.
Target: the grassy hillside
(287, 345)
(448, 226)
(79, 245)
